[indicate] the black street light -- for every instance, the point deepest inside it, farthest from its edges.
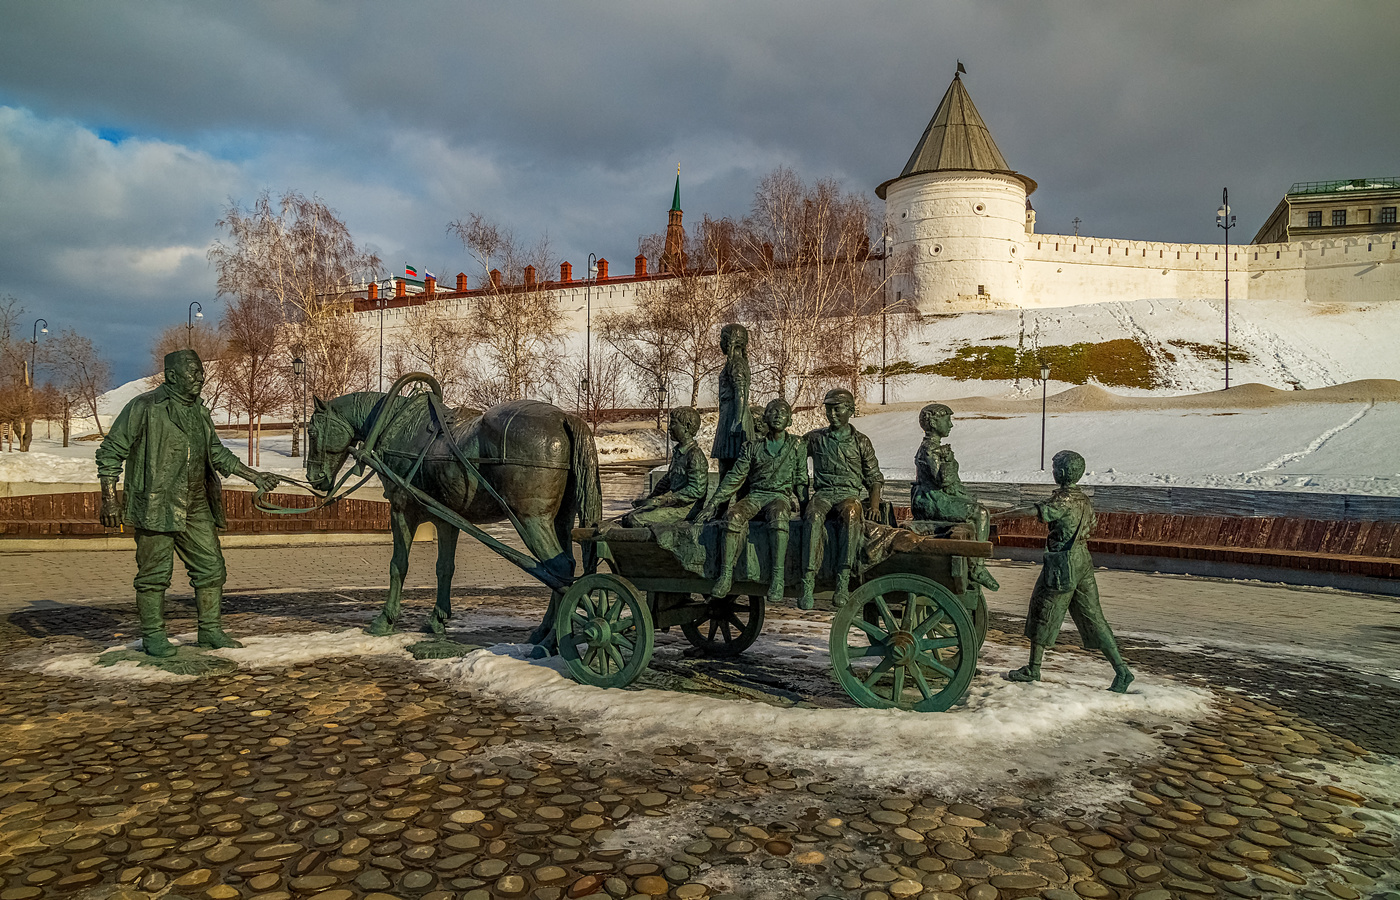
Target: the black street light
(299, 370)
(381, 301)
(34, 351)
(1044, 380)
(1225, 219)
(588, 332)
(887, 241)
(196, 311)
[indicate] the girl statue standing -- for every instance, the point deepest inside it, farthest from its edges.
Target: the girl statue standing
(735, 426)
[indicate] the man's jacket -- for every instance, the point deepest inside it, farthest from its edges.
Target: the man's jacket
(157, 454)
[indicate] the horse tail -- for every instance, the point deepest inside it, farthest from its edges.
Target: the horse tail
(585, 488)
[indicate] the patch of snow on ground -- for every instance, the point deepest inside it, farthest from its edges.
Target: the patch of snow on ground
(1056, 730)
(295, 649)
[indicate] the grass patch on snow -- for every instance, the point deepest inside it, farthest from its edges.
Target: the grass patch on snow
(1117, 363)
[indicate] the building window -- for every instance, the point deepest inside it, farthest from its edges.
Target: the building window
(1339, 217)
(981, 290)
(1315, 219)
(1388, 215)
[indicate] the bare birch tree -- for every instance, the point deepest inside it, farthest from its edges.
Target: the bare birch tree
(438, 342)
(79, 372)
(298, 260)
(679, 318)
(517, 325)
(815, 298)
(253, 369)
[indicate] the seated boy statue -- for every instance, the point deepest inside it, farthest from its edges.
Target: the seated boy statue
(683, 488)
(938, 494)
(843, 467)
(768, 474)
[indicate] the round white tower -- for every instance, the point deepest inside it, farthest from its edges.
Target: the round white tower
(957, 214)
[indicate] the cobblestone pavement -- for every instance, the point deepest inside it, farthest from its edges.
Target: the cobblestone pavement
(365, 777)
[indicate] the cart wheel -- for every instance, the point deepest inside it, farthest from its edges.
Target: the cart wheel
(981, 618)
(604, 630)
(734, 624)
(903, 641)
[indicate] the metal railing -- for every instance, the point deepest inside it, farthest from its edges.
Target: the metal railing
(1349, 184)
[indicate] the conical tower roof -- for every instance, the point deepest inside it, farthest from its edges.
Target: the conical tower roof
(956, 140)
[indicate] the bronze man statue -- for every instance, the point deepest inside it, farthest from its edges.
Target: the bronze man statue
(770, 471)
(687, 479)
(174, 498)
(938, 494)
(843, 467)
(1066, 582)
(735, 427)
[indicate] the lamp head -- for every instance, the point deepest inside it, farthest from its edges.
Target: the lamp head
(44, 330)
(298, 366)
(1044, 371)
(199, 314)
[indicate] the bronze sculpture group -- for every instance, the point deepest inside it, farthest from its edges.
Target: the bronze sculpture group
(537, 465)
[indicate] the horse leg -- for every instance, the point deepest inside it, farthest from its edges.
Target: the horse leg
(540, 537)
(446, 568)
(402, 524)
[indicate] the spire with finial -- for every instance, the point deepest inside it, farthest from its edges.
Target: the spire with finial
(673, 256)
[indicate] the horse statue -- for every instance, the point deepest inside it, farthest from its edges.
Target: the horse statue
(535, 457)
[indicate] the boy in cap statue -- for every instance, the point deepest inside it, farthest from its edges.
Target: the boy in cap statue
(770, 471)
(1066, 582)
(687, 479)
(174, 499)
(843, 467)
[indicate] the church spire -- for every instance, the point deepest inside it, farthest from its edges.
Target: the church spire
(673, 256)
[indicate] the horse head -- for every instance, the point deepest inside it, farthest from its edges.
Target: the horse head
(328, 440)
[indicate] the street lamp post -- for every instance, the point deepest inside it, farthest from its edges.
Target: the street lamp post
(34, 351)
(380, 301)
(1225, 219)
(588, 333)
(299, 370)
(196, 311)
(884, 309)
(1044, 380)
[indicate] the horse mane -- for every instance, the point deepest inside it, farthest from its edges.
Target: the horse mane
(356, 407)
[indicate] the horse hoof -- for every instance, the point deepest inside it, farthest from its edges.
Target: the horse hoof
(381, 628)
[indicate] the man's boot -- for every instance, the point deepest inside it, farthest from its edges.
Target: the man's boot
(726, 563)
(843, 587)
(148, 610)
(775, 580)
(211, 633)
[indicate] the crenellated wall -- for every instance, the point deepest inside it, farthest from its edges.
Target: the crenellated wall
(1068, 270)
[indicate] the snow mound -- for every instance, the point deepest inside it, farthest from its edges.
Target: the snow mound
(1057, 730)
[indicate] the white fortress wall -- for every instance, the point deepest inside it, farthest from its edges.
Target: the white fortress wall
(1069, 270)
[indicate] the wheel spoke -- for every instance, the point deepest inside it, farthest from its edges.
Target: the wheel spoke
(625, 642)
(724, 626)
(871, 631)
(936, 665)
(938, 643)
(580, 619)
(624, 625)
(734, 620)
(714, 626)
(587, 602)
(911, 607)
(616, 656)
(590, 658)
(921, 681)
(872, 650)
(934, 618)
(880, 669)
(891, 623)
(615, 610)
(898, 691)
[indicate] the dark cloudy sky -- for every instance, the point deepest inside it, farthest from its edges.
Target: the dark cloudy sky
(125, 127)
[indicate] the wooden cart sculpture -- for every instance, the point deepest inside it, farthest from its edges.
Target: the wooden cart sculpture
(908, 638)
